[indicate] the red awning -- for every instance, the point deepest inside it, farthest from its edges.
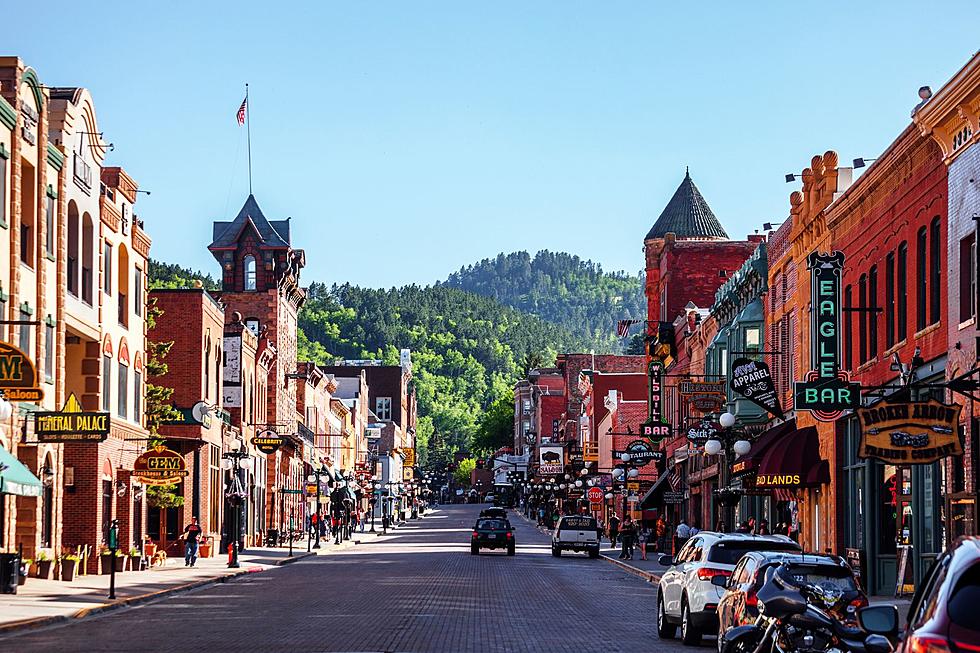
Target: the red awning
(794, 461)
(749, 464)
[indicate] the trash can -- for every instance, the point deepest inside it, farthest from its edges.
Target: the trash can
(272, 537)
(9, 572)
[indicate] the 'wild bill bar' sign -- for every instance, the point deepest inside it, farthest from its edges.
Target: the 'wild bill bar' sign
(827, 391)
(911, 433)
(656, 427)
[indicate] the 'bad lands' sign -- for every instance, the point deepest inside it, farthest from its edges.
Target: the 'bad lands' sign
(910, 433)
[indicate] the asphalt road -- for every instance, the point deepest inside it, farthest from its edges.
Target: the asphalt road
(418, 589)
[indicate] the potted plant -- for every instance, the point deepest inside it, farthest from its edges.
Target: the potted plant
(105, 560)
(69, 566)
(204, 549)
(135, 557)
(43, 564)
(25, 568)
(120, 561)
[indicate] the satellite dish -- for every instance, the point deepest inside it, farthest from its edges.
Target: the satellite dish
(201, 412)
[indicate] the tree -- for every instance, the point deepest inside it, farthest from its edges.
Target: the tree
(464, 471)
(158, 408)
(496, 427)
(637, 345)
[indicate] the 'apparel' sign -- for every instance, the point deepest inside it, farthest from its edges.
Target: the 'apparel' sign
(753, 380)
(827, 390)
(912, 433)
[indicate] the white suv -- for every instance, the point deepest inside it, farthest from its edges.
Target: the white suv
(687, 597)
(576, 533)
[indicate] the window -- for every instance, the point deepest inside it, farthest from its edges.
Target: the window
(968, 277)
(216, 489)
(889, 300)
(28, 205)
(862, 319)
(527, 405)
(49, 345)
(217, 374)
(901, 294)
(249, 264)
(107, 269)
(207, 369)
(138, 291)
(753, 337)
(138, 397)
(526, 427)
(252, 325)
(47, 502)
(123, 402)
(921, 282)
(935, 271)
(849, 328)
(873, 316)
(25, 244)
(25, 333)
(49, 225)
(383, 408)
(106, 382)
(3, 188)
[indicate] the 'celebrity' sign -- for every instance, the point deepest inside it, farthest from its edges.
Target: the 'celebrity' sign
(910, 433)
(753, 380)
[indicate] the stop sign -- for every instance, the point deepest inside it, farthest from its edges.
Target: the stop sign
(595, 494)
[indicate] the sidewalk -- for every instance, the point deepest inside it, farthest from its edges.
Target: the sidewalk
(44, 602)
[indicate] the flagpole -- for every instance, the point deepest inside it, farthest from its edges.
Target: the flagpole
(248, 131)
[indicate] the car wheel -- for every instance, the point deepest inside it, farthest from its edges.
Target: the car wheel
(690, 635)
(555, 551)
(475, 550)
(512, 550)
(665, 629)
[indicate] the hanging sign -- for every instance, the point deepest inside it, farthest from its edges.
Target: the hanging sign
(656, 427)
(409, 457)
(72, 424)
(640, 453)
(912, 433)
(827, 390)
(551, 460)
(267, 441)
(159, 466)
(704, 396)
(702, 432)
(18, 378)
(753, 380)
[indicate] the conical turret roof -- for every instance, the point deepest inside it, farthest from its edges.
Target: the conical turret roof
(687, 215)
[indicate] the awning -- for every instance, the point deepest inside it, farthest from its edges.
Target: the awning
(654, 496)
(749, 464)
(794, 461)
(15, 478)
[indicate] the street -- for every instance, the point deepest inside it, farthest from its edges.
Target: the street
(418, 589)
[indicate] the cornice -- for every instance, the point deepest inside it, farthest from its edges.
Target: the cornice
(8, 116)
(955, 106)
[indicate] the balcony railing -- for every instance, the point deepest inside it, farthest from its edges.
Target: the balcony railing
(305, 432)
(83, 172)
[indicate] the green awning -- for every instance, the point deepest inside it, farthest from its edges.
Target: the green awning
(15, 478)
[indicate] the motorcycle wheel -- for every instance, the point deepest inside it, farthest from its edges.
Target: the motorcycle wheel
(745, 644)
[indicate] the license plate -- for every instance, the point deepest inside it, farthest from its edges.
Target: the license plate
(492, 536)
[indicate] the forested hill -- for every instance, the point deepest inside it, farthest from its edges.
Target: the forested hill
(561, 288)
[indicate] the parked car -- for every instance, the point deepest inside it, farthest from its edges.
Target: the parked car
(687, 596)
(739, 606)
(489, 498)
(493, 534)
(943, 615)
(576, 533)
(494, 513)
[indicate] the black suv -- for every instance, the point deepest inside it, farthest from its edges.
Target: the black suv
(493, 534)
(493, 513)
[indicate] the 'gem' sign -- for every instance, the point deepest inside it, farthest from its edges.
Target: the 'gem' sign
(160, 466)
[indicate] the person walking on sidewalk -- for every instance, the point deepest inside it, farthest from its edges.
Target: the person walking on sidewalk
(683, 534)
(191, 532)
(643, 538)
(626, 533)
(613, 529)
(661, 532)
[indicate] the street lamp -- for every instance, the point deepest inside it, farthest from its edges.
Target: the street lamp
(315, 478)
(731, 441)
(235, 495)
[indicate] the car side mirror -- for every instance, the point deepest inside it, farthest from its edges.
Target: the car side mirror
(666, 560)
(879, 619)
(719, 580)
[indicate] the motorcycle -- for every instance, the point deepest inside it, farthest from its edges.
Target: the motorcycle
(797, 618)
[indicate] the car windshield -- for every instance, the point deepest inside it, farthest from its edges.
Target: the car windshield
(824, 576)
(730, 552)
(492, 524)
(576, 523)
(963, 602)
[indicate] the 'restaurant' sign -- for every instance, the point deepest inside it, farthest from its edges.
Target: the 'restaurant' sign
(910, 433)
(72, 424)
(18, 378)
(267, 441)
(656, 427)
(704, 396)
(159, 466)
(827, 392)
(753, 380)
(640, 453)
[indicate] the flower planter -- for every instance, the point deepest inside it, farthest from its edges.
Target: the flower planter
(68, 570)
(43, 568)
(135, 563)
(204, 550)
(105, 566)
(120, 564)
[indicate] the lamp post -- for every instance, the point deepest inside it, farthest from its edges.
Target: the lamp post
(315, 478)
(235, 495)
(373, 501)
(729, 442)
(626, 472)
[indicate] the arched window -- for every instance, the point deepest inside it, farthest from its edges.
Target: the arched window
(88, 258)
(901, 292)
(249, 263)
(123, 285)
(207, 368)
(873, 316)
(863, 319)
(935, 271)
(921, 281)
(74, 248)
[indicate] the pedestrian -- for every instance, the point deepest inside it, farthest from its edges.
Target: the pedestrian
(613, 529)
(643, 538)
(721, 527)
(661, 533)
(743, 528)
(763, 528)
(626, 533)
(360, 517)
(682, 534)
(599, 529)
(751, 525)
(695, 529)
(191, 532)
(541, 514)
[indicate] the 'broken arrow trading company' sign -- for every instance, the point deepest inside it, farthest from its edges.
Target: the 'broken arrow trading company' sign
(753, 380)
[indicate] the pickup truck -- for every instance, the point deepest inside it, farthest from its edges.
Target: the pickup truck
(576, 533)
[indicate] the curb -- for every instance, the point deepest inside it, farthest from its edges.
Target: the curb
(295, 558)
(648, 576)
(40, 622)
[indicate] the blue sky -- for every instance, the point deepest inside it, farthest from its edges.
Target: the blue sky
(407, 139)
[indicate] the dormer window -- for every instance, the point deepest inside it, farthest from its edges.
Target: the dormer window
(249, 264)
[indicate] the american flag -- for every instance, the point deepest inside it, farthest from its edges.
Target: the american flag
(241, 112)
(584, 385)
(623, 329)
(674, 479)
